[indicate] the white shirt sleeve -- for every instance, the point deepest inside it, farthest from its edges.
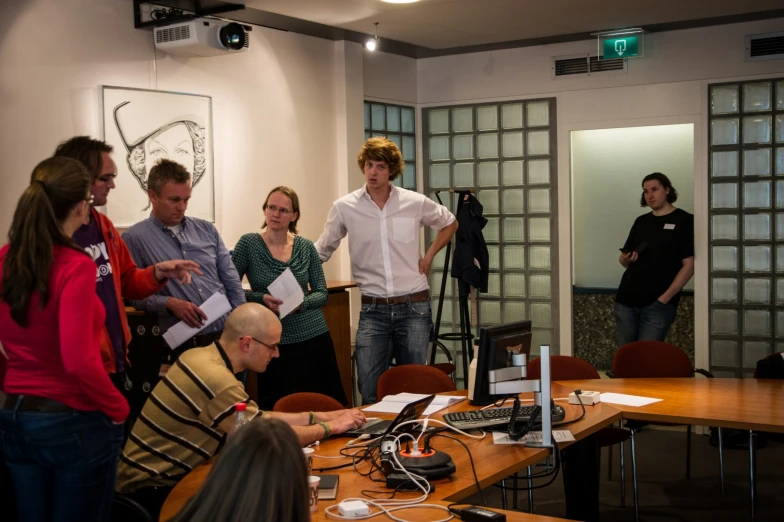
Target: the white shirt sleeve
(434, 215)
(334, 232)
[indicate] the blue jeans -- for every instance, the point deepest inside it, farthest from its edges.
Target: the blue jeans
(404, 328)
(650, 323)
(63, 465)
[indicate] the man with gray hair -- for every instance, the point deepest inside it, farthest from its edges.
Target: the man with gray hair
(193, 408)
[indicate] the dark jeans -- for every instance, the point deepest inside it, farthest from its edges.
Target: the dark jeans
(63, 465)
(407, 326)
(650, 323)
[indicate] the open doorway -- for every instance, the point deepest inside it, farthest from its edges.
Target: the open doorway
(608, 166)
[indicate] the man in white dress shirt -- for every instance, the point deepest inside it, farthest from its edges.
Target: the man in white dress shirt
(383, 222)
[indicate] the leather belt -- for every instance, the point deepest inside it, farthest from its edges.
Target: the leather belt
(417, 297)
(33, 403)
(197, 341)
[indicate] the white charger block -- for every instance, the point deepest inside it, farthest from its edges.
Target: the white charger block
(589, 398)
(353, 508)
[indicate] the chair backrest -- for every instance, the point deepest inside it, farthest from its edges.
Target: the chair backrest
(413, 378)
(770, 367)
(651, 359)
(563, 368)
(306, 401)
(125, 509)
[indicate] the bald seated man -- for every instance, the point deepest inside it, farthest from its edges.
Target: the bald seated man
(190, 412)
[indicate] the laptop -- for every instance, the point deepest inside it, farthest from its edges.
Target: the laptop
(379, 427)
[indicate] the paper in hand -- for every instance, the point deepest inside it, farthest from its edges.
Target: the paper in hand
(214, 308)
(287, 289)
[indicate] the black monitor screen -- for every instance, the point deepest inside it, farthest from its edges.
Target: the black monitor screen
(496, 346)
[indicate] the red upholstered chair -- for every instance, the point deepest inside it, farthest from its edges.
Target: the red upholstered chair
(306, 401)
(413, 378)
(565, 368)
(656, 359)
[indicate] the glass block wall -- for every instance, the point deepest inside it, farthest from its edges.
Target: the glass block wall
(507, 153)
(746, 176)
(396, 123)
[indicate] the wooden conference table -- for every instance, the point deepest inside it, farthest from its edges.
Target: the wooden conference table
(746, 404)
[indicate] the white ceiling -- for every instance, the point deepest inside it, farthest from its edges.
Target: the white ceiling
(439, 24)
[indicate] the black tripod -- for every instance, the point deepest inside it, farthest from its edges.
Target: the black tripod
(464, 335)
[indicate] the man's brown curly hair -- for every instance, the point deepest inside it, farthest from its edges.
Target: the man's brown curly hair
(381, 149)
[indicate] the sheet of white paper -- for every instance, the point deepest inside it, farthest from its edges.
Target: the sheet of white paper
(627, 400)
(397, 407)
(287, 289)
(532, 436)
(214, 308)
(386, 407)
(438, 400)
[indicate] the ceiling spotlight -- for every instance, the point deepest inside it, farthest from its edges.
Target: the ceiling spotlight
(372, 43)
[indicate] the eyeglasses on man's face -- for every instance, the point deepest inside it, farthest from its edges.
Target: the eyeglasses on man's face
(283, 211)
(272, 347)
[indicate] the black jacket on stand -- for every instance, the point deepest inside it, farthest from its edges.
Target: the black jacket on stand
(470, 245)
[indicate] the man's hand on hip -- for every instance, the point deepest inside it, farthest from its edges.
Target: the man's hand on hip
(186, 311)
(424, 265)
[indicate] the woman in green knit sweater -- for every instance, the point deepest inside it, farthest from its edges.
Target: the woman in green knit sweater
(307, 360)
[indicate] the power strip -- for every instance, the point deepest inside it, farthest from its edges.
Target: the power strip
(589, 398)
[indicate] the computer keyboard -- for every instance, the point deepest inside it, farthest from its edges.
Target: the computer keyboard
(495, 417)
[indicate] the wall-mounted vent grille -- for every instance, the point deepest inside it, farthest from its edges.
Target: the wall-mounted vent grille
(176, 33)
(247, 39)
(586, 65)
(616, 64)
(768, 46)
(571, 66)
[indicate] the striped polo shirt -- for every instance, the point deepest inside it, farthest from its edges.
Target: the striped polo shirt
(184, 421)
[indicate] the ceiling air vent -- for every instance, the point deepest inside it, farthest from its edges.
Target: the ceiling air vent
(586, 65)
(768, 46)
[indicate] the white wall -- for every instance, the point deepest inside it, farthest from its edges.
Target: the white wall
(390, 77)
(608, 166)
(275, 107)
(667, 86)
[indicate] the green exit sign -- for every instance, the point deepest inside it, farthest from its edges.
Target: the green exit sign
(621, 47)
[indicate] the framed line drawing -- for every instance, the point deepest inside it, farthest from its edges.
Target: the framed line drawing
(145, 126)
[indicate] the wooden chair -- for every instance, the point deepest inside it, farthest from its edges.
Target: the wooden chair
(565, 368)
(656, 359)
(306, 401)
(413, 378)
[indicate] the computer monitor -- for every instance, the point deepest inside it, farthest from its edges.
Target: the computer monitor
(496, 346)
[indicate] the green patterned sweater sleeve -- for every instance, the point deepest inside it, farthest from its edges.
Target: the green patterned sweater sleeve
(241, 259)
(318, 284)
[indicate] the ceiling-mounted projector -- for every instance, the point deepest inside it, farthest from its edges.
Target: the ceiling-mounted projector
(202, 37)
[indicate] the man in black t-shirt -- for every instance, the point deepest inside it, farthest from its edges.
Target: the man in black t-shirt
(659, 261)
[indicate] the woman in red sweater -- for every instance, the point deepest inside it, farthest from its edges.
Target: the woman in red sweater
(61, 427)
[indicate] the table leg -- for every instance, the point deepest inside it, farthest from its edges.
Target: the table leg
(580, 463)
(752, 484)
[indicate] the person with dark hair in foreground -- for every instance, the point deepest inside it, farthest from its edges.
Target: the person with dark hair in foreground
(659, 260)
(61, 426)
(260, 475)
(192, 409)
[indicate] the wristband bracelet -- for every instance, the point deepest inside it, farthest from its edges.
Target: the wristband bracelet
(312, 419)
(327, 429)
